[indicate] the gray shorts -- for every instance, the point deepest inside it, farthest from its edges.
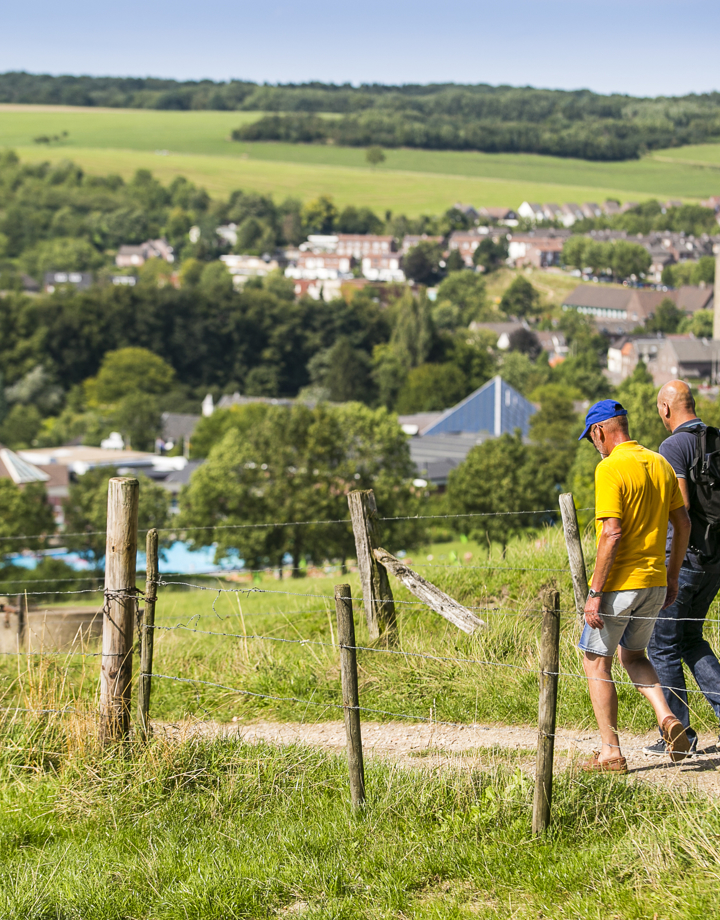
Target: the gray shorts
(629, 618)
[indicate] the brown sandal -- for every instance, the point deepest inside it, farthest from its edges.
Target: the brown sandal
(595, 765)
(677, 742)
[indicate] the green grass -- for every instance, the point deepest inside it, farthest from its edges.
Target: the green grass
(214, 830)
(225, 830)
(189, 645)
(410, 181)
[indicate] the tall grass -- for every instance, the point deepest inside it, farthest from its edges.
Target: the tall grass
(228, 830)
(491, 677)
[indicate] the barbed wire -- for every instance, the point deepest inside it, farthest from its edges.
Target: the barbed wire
(192, 528)
(294, 699)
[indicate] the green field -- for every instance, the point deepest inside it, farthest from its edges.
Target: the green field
(197, 144)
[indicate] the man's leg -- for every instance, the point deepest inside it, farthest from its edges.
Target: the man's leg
(664, 648)
(695, 649)
(603, 696)
(645, 678)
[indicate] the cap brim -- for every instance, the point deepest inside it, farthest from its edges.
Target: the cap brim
(585, 433)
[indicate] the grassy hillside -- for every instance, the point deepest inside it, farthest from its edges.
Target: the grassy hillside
(222, 829)
(413, 181)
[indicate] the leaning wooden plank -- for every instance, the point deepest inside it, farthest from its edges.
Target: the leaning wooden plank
(436, 599)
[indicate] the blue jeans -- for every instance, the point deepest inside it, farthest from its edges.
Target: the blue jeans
(678, 637)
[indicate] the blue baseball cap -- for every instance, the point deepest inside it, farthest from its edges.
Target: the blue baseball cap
(601, 412)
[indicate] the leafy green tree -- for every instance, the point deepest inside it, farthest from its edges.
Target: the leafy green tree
(346, 375)
(211, 429)
(461, 298)
(24, 510)
(432, 387)
(522, 373)
(573, 252)
(599, 257)
(700, 324)
(374, 155)
(491, 255)
(526, 341)
(60, 254)
(298, 465)
(21, 426)
(86, 511)
(359, 220)
(497, 478)
(320, 215)
(667, 317)
(414, 332)
(630, 259)
(126, 391)
(638, 394)
(520, 299)
(389, 372)
(422, 262)
(555, 429)
(583, 372)
(190, 272)
(581, 482)
(454, 262)
(130, 370)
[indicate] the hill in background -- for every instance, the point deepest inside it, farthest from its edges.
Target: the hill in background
(577, 123)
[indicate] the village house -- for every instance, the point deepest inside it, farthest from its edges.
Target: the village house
(621, 309)
(465, 242)
(242, 267)
(135, 256)
(411, 240)
(541, 252)
(320, 266)
(358, 245)
(383, 268)
(530, 211)
(504, 216)
(79, 280)
(551, 341)
(666, 358)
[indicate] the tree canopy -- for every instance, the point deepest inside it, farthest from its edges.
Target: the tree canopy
(297, 465)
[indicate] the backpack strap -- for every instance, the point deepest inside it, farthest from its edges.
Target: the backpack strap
(700, 432)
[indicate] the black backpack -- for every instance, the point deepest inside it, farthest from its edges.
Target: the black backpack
(705, 502)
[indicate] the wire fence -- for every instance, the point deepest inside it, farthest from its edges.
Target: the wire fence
(189, 627)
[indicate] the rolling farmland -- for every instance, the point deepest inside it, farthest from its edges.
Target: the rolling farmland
(197, 145)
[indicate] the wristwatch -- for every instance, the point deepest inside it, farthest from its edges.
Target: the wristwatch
(593, 593)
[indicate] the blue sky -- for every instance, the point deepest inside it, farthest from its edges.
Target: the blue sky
(642, 47)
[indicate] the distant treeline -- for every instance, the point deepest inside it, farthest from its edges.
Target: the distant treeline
(440, 116)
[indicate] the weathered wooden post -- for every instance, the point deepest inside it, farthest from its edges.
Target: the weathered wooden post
(119, 611)
(547, 709)
(147, 633)
(377, 593)
(574, 550)
(351, 701)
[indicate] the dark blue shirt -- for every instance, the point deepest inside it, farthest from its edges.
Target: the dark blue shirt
(679, 451)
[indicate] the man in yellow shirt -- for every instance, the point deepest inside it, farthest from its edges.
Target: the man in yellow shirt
(636, 493)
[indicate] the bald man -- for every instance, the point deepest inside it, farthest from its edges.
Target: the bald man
(678, 636)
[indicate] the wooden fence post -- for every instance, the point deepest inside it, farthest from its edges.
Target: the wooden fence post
(574, 550)
(119, 611)
(547, 709)
(351, 702)
(377, 593)
(147, 633)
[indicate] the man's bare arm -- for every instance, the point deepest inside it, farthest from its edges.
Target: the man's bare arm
(606, 552)
(680, 520)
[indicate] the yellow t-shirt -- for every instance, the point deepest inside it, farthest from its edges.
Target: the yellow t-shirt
(640, 488)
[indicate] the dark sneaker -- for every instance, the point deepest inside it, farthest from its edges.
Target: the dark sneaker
(659, 749)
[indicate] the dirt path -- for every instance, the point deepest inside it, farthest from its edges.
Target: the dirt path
(429, 745)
